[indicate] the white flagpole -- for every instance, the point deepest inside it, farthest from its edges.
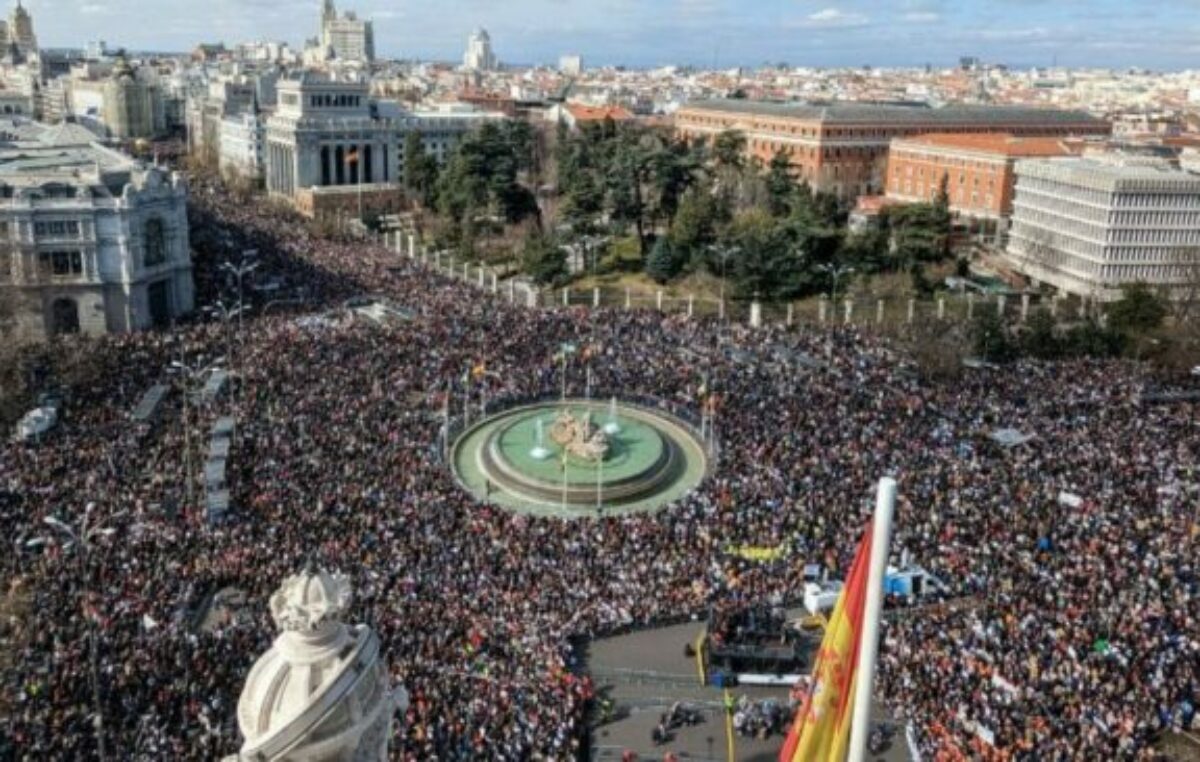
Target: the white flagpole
(868, 647)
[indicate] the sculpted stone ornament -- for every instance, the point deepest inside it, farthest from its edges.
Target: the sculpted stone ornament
(579, 437)
(323, 692)
(305, 602)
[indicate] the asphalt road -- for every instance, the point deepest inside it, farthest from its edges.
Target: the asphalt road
(645, 672)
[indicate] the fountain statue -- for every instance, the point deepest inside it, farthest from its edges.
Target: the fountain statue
(613, 427)
(578, 437)
(539, 451)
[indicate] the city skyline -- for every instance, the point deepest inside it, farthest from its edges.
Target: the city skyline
(644, 33)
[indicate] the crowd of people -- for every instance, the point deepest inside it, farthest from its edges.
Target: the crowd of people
(1080, 638)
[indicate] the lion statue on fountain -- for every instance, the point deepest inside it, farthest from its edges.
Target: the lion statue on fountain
(579, 437)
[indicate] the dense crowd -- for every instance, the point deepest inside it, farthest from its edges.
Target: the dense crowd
(1079, 637)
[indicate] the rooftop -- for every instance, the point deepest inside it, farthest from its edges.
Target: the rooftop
(998, 143)
(583, 113)
(1112, 171)
(868, 113)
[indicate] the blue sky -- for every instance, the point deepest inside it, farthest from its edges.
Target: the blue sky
(1152, 33)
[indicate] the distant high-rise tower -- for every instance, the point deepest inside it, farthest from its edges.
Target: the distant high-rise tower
(346, 38)
(16, 36)
(479, 55)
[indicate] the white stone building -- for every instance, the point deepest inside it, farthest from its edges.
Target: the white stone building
(479, 55)
(91, 241)
(346, 38)
(323, 692)
(327, 133)
(1088, 225)
(242, 143)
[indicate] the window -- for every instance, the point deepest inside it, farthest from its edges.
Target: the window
(6, 265)
(155, 243)
(56, 229)
(60, 263)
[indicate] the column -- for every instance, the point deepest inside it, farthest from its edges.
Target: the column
(791, 314)
(912, 310)
(879, 312)
(595, 296)
(691, 305)
(1024, 307)
(941, 308)
(848, 313)
(823, 310)
(659, 299)
(970, 305)
(628, 298)
(1001, 301)
(755, 315)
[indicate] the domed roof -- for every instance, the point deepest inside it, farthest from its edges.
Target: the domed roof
(323, 685)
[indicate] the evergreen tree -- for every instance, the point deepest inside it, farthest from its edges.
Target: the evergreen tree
(728, 148)
(543, 260)
(1138, 311)
(781, 185)
(661, 264)
(1039, 339)
(991, 339)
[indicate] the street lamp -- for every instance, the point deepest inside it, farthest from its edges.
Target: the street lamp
(82, 539)
(190, 376)
(724, 253)
(836, 272)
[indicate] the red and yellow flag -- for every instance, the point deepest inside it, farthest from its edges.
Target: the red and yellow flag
(821, 730)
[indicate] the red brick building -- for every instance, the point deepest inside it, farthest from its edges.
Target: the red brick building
(843, 147)
(977, 168)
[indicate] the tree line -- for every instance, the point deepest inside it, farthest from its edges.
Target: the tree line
(680, 207)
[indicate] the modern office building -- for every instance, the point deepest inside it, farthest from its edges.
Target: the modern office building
(977, 169)
(479, 55)
(843, 147)
(1087, 225)
(91, 241)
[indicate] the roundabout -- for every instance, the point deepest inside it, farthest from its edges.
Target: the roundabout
(578, 457)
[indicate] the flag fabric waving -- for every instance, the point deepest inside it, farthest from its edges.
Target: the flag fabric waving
(821, 730)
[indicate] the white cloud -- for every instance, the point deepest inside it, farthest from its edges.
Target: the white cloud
(921, 17)
(835, 17)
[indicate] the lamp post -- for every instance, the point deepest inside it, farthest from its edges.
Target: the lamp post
(836, 272)
(245, 267)
(724, 253)
(81, 539)
(190, 375)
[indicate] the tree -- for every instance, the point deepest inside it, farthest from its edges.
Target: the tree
(694, 229)
(1039, 338)
(661, 264)
(728, 149)
(781, 185)
(420, 169)
(990, 338)
(543, 260)
(770, 264)
(1139, 310)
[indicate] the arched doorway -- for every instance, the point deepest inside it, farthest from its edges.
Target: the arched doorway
(64, 316)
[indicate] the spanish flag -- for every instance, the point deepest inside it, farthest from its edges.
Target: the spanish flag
(821, 730)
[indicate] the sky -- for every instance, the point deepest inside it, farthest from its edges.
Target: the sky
(1155, 34)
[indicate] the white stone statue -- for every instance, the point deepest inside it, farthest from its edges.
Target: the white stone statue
(322, 693)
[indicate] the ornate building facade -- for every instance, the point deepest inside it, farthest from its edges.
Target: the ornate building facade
(322, 693)
(329, 144)
(91, 241)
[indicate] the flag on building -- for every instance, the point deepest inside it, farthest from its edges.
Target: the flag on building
(821, 730)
